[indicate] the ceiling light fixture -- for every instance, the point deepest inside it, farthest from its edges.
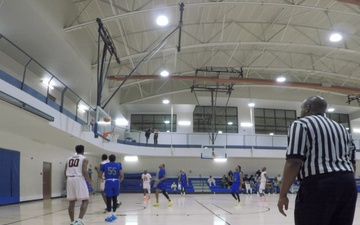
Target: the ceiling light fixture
(166, 101)
(246, 124)
(330, 109)
(162, 21)
(220, 159)
(184, 123)
(164, 73)
(121, 122)
(356, 130)
(251, 104)
(230, 123)
(281, 79)
(335, 37)
(46, 83)
(132, 158)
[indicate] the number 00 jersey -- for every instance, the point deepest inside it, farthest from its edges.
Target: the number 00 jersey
(74, 166)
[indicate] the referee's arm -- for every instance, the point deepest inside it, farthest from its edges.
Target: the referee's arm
(291, 170)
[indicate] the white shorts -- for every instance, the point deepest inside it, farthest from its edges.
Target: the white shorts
(262, 186)
(102, 185)
(146, 186)
(76, 189)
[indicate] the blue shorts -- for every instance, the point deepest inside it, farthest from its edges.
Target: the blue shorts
(235, 188)
(183, 184)
(112, 188)
(161, 186)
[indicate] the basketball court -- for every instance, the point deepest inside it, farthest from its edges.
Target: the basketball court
(199, 209)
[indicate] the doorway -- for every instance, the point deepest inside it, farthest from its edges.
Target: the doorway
(46, 180)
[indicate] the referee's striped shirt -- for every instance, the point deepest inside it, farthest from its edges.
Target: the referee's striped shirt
(324, 145)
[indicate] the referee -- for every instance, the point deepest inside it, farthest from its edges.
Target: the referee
(322, 154)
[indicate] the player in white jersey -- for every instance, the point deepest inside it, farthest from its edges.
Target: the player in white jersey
(105, 160)
(263, 179)
(76, 173)
(146, 178)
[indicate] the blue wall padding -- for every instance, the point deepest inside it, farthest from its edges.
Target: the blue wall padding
(10, 177)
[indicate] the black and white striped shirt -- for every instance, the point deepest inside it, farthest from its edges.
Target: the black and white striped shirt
(324, 145)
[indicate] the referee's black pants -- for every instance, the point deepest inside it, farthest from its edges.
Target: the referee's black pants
(326, 200)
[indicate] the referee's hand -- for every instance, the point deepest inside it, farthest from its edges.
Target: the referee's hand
(283, 202)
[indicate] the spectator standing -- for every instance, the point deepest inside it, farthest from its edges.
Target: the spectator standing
(322, 154)
(156, 136)
(147, 134)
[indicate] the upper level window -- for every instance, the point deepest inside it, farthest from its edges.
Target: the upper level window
(225, 119)
(162, 122)
(340, 118)
(273, 121)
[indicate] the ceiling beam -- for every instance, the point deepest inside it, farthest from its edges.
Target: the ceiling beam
(246, 81)
(217, 4)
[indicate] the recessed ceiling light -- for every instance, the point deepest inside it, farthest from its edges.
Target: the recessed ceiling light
(184, 123)
(220, 132)
(166, 101)
(121, 122)
(220, 159)
(131, 158)
(335, 37)
(230, 123)
(271, 134)
(246, 124)
(356, 130)
(166, 121)
(164, 73)
(330, 109)
(47, 84)
(251, 104)
(162, 21)
(281, 79)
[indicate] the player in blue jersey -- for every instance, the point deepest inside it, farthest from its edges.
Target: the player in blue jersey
(113, 176)
(236, 186)
(160, 185)
(183, 181)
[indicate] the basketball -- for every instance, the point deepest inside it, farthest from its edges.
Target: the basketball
(107, 119)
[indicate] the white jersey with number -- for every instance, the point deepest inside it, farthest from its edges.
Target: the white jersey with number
(74, 166)
(146, 179)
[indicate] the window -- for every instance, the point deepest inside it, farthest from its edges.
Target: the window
(340, 118)
(162, 122)
(275, 121)
(226, 119)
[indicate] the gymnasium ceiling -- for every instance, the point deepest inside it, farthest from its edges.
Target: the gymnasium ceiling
(264, 39)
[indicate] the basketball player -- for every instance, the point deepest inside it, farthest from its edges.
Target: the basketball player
(76, 188)
(146, 178)
(236, 185)
(104, 159)
(160, 185)
(183, 181)
(113, 176)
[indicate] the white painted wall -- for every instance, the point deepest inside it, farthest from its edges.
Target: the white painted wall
(32, 155)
